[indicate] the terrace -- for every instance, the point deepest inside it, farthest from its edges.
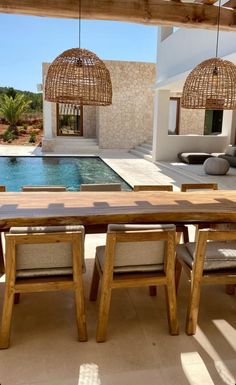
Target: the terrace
(44, 348)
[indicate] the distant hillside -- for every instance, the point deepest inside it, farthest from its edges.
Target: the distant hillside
(36, 98)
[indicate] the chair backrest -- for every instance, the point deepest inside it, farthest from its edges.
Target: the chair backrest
(101, 187)
(43, 188)
(140, 247)
(2, 188)
(45, 251)
(198, 186)
(163, 187)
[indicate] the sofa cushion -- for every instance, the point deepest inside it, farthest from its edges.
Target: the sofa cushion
(194, 157)
(231, 150)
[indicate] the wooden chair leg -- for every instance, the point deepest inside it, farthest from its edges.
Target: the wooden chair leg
(230, 289)
(152, 291)
(6, 316)
(193, 307)
(104, 308)
(95, 283)
(80, 310)
(178, 271)
(172, 308)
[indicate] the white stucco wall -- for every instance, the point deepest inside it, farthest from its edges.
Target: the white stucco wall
(166, 147)
(178, 53)
(184, 49)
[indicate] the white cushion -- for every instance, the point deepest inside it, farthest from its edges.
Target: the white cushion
(219, 255)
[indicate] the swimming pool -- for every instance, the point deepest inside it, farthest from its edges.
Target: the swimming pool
(71, 172)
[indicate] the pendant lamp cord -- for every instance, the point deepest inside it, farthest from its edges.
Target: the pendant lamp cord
(80, 1)
(218, 28)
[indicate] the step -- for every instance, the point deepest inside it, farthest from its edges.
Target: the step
(141, 155)
(78, 140)
(148, 146)
(143, 149)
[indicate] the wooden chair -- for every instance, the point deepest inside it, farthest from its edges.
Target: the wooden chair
(154, 187)
(43, 259)
(43, 188)
(198, 186)
(135, 256)
(180, 229)
(230, 289)
(2, 268)
(210, 260)
(101, 187)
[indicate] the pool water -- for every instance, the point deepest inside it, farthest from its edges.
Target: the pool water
(70, 172)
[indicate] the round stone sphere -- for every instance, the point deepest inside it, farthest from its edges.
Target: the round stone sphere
(216, 166)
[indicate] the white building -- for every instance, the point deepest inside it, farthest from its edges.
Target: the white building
(178, 53)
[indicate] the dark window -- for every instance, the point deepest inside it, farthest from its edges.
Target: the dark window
(213, 122)
(69, 120)
(174, 109)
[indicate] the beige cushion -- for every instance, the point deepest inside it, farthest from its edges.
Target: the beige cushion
(136, 256)
(45, 259)
(101, 187)
(219, 255)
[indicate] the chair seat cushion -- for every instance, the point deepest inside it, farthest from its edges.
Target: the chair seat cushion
(219, 255)
(128, 265)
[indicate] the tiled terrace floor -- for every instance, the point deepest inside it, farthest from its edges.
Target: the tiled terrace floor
(44, 348)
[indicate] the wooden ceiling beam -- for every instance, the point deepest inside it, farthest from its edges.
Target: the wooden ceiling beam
(154, 12)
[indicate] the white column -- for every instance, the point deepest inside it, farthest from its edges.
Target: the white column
(160, 124)
(47, 119)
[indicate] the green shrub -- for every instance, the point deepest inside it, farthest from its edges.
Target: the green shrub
(32, 137)
(8, 135)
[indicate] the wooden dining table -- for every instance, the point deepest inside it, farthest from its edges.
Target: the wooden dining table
(97, 209)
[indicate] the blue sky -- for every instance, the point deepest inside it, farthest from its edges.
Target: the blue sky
(26, 42)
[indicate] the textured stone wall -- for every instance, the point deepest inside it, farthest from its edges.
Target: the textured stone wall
(129, 120)
(191, 122)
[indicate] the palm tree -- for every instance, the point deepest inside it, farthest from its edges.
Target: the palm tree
(13, 108)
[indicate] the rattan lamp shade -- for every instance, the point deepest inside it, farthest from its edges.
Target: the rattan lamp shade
(211, 85)
(78, 77)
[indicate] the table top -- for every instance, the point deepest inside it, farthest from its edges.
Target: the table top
(92, 208)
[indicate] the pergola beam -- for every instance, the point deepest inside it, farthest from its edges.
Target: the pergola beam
(153, 12)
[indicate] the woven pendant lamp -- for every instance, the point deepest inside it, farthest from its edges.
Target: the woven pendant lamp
(78, 77)
(212, 84)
